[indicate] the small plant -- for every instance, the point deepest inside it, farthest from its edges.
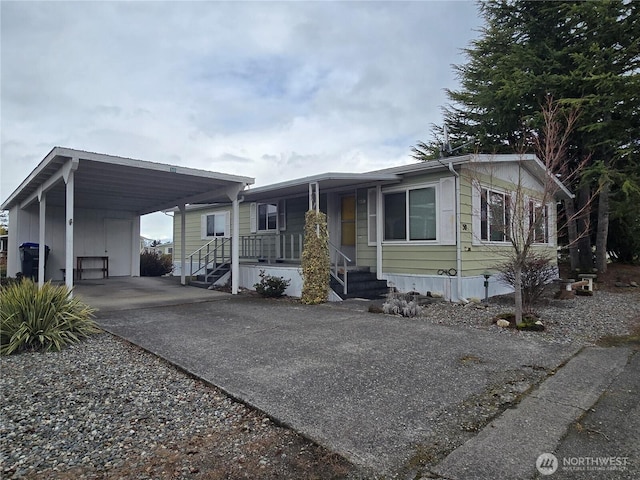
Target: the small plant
(271, 286)
(45, 318)
(397, 304)
(154, 264)
(537, 272)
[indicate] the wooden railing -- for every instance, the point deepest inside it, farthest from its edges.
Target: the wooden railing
(272, 248)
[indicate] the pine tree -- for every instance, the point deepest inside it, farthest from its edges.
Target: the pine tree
(584, 54)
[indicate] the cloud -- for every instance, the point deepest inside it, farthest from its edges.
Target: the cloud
(275, 90)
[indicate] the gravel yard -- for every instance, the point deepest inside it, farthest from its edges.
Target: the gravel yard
(107, 409)
(580, 321)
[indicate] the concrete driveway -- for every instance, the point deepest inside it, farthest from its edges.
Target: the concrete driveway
(368, 386)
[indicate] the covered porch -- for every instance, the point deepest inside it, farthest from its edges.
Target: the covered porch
(271, 233)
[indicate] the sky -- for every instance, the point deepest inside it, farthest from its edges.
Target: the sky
(270, 90)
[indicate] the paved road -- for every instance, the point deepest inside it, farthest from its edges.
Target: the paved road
(605, 443)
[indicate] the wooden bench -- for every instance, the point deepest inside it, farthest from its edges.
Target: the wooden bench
(103, 265)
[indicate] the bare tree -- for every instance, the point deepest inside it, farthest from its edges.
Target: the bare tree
(525, 216)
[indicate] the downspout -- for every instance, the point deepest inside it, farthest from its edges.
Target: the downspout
(458, 236)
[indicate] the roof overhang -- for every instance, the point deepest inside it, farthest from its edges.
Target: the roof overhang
(528, 161)
(117, 183)
(326, 182)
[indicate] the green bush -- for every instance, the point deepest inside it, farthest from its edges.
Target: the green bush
(271, 286)
(316, 265)
(45, 318)
(154, 264)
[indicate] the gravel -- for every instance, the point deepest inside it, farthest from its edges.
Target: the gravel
(576, 322)
(107, 409)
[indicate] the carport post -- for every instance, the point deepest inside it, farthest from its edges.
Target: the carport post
(68, 175)
(183, 254)
(42, 198)
(235, 247)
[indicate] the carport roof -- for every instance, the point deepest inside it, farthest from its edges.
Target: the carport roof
(117, 183)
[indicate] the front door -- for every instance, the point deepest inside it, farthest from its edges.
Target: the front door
(348, 226)
(118, 246)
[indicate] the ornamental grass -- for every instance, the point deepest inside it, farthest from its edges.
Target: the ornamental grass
(45, 318)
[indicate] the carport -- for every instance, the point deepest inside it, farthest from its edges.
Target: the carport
(88, 205)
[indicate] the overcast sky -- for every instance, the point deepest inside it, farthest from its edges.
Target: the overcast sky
(271, 90)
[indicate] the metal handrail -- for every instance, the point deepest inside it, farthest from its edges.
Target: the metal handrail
(220, 259)
(334, 267)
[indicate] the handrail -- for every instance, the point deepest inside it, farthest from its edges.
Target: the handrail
(334, 267)
(220, 258)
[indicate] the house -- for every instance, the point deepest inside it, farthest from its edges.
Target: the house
(86, 208)
(436, 226)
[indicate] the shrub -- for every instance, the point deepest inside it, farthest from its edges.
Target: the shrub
(153, 264)
(316, 265)
(271, 286)
(537, 272)
(45, 318)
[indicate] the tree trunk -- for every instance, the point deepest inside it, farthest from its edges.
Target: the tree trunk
(603, 228)
(517, 285)
(572, 232)
(584, 230)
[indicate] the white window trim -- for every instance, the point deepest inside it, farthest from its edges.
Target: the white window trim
(546, 224)
(504, 193)
(476, 213)
(281, 216)
(407, 189)
(227, 225)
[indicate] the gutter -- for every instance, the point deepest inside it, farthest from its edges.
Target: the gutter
(458, 236)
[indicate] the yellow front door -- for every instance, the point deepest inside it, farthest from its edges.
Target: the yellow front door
(348, 221)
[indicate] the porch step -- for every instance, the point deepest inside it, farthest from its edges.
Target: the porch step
(361, 284)
(201, 281)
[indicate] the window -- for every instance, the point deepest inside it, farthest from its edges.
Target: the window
(539, 222)
(410, 215)
(215, 225)
(495, 216)
(267, 216)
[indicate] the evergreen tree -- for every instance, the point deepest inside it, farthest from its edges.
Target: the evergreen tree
(584, 54)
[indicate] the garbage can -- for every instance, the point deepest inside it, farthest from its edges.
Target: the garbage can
(29, 257)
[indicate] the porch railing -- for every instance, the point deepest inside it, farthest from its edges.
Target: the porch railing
(341, 262)
(272, 248)
(216, 253)
(267, 248)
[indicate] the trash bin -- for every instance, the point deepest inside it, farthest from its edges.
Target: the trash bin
(29, 257)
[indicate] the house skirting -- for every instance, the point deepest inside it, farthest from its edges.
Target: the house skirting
(442, 285)
(446, 286)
